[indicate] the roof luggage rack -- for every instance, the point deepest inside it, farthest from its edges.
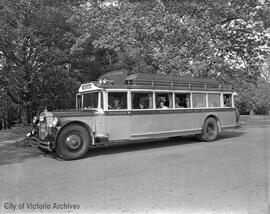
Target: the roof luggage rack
(176, 83)
(123, 78)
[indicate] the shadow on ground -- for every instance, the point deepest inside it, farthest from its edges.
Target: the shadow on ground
(155, 144)
(11, 153)
(231, 134)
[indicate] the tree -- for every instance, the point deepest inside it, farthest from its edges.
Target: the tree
(256, 96)
(199, 38)
(35, 41)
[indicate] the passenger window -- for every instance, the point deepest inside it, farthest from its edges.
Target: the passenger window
(117, 100)
(199, 100)
(182, 100)
(142, 100)
(227, 100)
(213, 100)
(164, 100)
(90, 100)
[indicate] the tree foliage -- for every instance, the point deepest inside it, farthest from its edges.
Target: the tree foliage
(256, 96)
(198, 38)
(47, 48)
(221, 39)
(35, 41)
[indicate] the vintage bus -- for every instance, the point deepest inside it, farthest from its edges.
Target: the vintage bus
(122, 107)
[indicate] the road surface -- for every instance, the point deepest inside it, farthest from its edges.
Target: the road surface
(183, 175)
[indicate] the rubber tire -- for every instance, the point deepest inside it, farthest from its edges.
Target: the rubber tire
(199, 137)
(205, 136)
(61, 149)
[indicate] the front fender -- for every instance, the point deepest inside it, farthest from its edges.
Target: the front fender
(85, 125)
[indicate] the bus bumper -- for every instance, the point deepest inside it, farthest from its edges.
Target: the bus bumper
(36, 142)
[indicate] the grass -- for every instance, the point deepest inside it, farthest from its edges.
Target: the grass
(14, 132)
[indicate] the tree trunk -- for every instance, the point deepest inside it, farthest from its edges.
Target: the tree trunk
(2, 124)
(25, 116)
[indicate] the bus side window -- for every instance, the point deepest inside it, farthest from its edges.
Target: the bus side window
(142, 100)
(164, 100)
(213, 100)
(182, 100)
(199, 100)
(117, 100)
(227, 100)
(90, 100)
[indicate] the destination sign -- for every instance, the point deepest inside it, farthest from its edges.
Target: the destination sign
(87, 86)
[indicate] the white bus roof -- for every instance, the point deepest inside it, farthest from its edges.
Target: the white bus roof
(122, 79)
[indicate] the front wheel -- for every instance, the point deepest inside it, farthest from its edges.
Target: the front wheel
(210, 130)
(73, 142)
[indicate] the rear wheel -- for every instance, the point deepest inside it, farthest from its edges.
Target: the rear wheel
(210, 129)
(73, 142)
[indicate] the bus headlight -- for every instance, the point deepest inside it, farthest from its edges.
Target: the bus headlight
(35, 120)
(55, 122)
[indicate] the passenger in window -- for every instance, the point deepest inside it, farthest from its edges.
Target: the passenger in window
(227, 101)
(182, 101)
(141, 105)
(162, 105)
(177, 103)
(116, 104)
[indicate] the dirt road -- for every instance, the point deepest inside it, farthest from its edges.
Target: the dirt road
(229, 175)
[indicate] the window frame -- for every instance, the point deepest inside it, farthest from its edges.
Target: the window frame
(227, 93)
(155, 92)
(199, 92)
(163, 91)
(106, 97)
(183, 92)
(89, 92)
(214, 92)
(142, 91)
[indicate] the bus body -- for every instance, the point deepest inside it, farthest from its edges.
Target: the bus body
(121, 107)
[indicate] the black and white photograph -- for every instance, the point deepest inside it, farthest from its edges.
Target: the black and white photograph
(135, 106)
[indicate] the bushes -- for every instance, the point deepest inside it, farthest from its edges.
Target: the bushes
(254, 97)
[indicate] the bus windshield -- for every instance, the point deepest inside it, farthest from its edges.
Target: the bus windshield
(90, 100)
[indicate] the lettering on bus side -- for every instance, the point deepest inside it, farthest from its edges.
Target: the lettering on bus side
(171, 111)
(118, 112)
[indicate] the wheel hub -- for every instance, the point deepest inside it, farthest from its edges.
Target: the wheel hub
(73, 141)
(210, 129)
